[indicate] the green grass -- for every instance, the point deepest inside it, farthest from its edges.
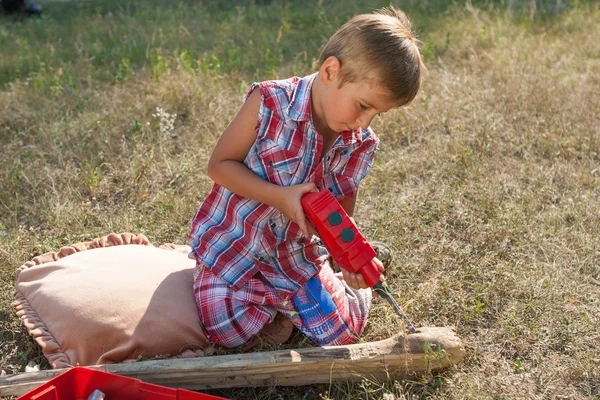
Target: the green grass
(487, 186)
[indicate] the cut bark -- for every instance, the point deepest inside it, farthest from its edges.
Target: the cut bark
(427, 350)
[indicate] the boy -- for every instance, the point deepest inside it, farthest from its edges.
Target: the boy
(254, 249)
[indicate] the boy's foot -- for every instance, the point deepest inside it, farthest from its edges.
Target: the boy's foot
(276, 332)
(384, 253)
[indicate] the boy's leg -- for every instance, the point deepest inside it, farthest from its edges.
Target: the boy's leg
(327, 310)
(230, 318)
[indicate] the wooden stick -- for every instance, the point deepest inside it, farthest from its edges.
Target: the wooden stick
(427, 350)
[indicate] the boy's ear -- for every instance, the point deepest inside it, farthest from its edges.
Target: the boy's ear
(330, 71)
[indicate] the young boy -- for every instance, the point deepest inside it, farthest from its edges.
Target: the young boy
(254, 249)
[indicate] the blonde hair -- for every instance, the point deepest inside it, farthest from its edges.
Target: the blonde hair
(379, 48)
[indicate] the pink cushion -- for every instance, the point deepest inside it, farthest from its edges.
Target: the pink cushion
(104, 302)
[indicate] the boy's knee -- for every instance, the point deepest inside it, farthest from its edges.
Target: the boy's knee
(227, 341)
(234, 326)
(330, 333)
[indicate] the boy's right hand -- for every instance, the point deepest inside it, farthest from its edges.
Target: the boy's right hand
(290, 205)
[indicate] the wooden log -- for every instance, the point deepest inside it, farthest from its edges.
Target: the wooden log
(429, 349)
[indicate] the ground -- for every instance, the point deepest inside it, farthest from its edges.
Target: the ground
(487, 187)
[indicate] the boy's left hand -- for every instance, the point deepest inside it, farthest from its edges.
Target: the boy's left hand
(356, 280)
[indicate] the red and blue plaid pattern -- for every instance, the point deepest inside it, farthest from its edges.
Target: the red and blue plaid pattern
(325, 308)
(237, 237)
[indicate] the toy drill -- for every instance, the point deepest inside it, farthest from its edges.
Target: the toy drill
(348, 247)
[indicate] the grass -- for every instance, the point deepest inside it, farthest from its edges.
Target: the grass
(487, 186)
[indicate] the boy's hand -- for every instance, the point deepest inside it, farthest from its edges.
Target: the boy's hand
(355, 280)
(289, 204)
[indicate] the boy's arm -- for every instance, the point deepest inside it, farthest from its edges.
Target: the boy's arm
(348, 204)
(226, 167)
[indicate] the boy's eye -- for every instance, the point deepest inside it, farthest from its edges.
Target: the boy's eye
(363, 107)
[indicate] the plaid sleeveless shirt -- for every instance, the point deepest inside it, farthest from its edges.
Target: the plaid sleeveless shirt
(237, 237)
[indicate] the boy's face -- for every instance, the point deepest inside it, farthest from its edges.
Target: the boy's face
(354, 105)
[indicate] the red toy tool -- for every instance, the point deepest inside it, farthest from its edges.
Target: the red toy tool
(80, 383)
(348, 247)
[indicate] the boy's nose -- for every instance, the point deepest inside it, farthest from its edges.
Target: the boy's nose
(364, 122)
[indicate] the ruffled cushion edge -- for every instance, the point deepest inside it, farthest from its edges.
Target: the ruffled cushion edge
(29, 316)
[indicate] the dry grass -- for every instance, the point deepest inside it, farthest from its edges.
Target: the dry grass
(487, 187)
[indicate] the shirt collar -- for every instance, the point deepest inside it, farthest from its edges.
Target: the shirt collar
(299, 107)
(350, 138)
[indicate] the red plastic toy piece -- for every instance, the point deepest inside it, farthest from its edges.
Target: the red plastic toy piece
(79, 383)
(341, 237)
